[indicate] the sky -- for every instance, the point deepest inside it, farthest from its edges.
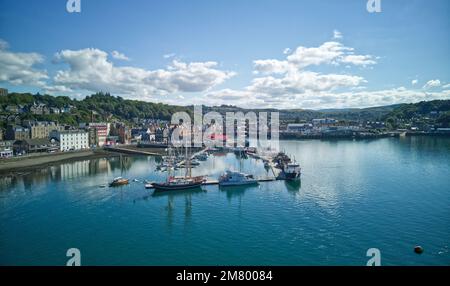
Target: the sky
(312, 54)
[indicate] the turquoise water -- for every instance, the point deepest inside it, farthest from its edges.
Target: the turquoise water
(390, 194)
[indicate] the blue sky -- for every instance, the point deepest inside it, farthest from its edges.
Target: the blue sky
(287, 54)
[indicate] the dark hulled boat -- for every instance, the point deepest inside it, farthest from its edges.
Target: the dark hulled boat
(176, 184)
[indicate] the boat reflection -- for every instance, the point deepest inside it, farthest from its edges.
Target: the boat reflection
(293, 185)
(236, 191)
(179, 193)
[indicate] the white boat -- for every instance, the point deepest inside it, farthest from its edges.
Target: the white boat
(192, 163)
(202, 157)
(236, 179)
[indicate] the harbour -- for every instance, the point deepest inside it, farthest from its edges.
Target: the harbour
(339, 209)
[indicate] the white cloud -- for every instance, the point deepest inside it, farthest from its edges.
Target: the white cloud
(289, 77)
(446, 86)
(328, 53)
(332, 53)
(119, 56)
(168, 56)
(337, 35)
(90, 70)
(57, 89)
(287, 51)
(3, 44)
(271, 66)
(358, 60)
(432, 84)
(414, 82)
(301, 82)
(321, 99)
(19, 68)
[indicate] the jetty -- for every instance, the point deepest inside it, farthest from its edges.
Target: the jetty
(131, 151)
(216, 182)
(181, 163)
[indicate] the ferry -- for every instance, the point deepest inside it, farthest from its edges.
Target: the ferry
(236, 179)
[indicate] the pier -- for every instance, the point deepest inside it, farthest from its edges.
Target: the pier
(131, 151)
(180, 164)
(216, 182)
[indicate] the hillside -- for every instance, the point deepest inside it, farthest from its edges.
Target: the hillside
(105, 107)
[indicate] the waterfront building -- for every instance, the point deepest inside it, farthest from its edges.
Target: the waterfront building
(42, 129)
(162, 135)
(141, 134)
(98, 132)
(124, 134)
(443, 130)
(6, 153)
(6, 148)
(71, 140)
(298, 127)
(3, 92)
(41, 145)
(15, 132)
(324, 121)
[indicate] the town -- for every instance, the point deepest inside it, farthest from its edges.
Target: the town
(22, 133)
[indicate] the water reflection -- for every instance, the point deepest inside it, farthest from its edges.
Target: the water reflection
(293, 186)
(174, 196)
(64, 172)
(235, 191)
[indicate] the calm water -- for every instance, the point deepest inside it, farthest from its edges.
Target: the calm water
(391, 194)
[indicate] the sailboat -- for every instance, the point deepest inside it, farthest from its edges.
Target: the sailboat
(181, 183)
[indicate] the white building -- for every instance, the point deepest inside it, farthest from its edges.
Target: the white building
(298, 127)
(71, 140)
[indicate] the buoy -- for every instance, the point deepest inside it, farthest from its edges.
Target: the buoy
(418, 249)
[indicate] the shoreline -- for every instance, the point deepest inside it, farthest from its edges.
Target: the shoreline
(359, 137)
(19, 165)
(31, 163)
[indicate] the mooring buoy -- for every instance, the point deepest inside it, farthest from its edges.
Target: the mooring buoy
(418, 249)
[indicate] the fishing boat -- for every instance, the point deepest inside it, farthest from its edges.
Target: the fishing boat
(290, 171)
(119, 182)
(231, 178)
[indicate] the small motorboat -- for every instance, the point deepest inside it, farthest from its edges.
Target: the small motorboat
(119, 182)
(192, 163)
(202, 157)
